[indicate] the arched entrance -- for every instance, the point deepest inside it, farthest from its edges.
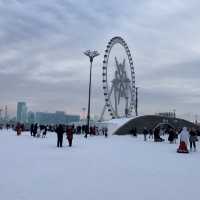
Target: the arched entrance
(164, 126)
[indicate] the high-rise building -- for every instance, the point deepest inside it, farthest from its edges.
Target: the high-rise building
(31, 117)
(21, 112)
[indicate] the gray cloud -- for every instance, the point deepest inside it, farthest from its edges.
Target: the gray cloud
(41, 44)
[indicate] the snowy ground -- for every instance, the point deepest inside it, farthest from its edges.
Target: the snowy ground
(116, 168)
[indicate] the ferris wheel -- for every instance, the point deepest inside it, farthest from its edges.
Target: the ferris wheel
(120, 87)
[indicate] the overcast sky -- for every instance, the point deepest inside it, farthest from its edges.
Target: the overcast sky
(41, 59)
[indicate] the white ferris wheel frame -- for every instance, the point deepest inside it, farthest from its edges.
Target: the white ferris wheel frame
(107, 93)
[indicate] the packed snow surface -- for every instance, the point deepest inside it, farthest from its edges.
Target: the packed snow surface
(96, 168)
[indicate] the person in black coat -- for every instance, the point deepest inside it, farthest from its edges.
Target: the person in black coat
(172, 136)
(32, 127)
(133, 131)
(145, 132)
(157, 137)
(35, 129)
(44, 131)
(193, 138)
(150, 133)
(59, 131)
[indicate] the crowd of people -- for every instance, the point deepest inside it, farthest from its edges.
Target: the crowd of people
(41, 130)
(158, 132)
(94, 130)
(37, 130)
(188, 137)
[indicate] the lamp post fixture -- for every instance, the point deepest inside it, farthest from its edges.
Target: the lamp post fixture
(174, 113)
(91, 55)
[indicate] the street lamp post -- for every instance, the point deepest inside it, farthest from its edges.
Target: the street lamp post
(136, 104)
(91, 55)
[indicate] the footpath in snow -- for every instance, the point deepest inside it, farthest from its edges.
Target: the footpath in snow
(97, 168)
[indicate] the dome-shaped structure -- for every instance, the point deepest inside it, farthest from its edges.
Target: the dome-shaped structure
(150, 122)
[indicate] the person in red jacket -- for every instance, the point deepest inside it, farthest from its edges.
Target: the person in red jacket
(69, 132)
(18, 129)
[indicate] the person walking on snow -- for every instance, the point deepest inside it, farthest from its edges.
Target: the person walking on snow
(145, 132)
(59, 131)
(192, 139)
(106, 132)
(69, 132)
(18, 129)
(150, 133)
(31, 129)
(184, 140)
(172, 135)
(35, 128)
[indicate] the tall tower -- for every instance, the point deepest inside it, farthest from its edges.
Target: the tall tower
(21, 112)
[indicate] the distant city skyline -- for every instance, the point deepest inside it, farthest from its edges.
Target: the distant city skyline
(29, 114)
(25, 115)
(42, 61)
(12, 111)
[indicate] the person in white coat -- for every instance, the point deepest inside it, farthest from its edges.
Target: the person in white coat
(184, 141)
